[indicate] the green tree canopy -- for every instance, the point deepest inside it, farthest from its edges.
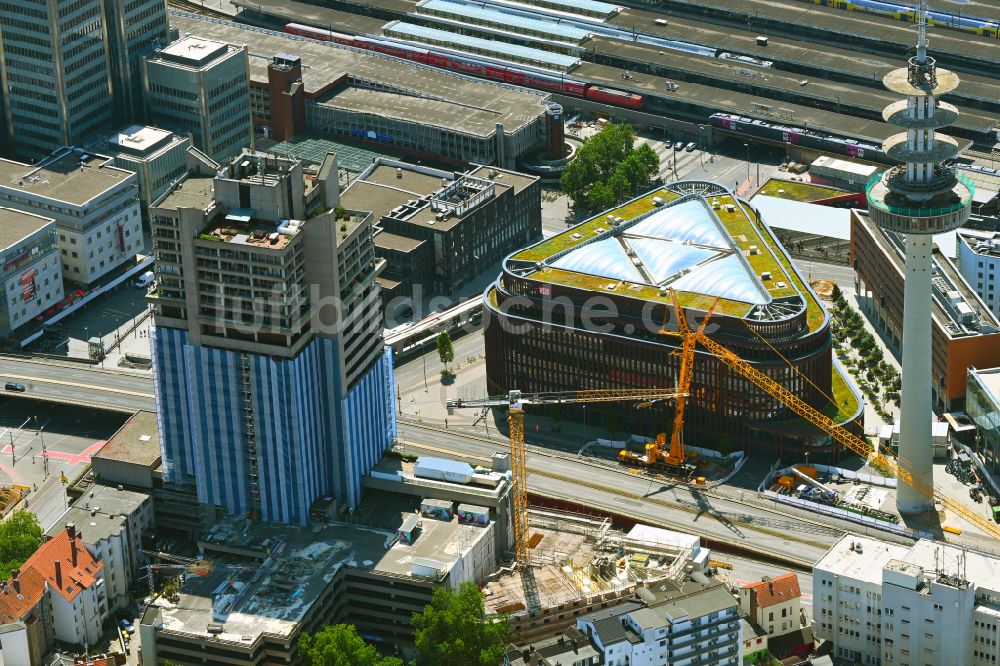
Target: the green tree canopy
(340, 645)
(20, 536)
(609, 169)
(453, 631)
(446, 351)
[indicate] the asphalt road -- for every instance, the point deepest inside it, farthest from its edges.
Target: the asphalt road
(79, 385)
(726, 522)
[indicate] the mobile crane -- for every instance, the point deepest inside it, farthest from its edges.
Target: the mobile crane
(674, 460)
(515, 401)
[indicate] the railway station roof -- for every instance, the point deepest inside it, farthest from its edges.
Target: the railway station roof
(478, 45)
(482, 16)
(589, 6)
(459, 103)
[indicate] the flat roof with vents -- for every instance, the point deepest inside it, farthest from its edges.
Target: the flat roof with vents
(194, 51)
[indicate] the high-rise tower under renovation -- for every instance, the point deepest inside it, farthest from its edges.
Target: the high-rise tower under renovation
(273, 386)
(918, 199)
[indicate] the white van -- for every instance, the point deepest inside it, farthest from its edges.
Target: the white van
(144, 280)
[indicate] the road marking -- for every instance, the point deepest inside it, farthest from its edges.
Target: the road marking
(60, 382)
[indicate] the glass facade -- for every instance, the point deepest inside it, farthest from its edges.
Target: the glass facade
(982, 404)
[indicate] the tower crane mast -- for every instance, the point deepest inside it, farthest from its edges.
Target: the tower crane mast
(515, 402)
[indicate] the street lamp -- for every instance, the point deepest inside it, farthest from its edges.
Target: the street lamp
(747, 146)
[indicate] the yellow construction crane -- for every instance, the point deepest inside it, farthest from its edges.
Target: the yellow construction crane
(840, 434)
(515, 401)
(674, 459)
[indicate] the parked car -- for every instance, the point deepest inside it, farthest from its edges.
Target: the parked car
(126, 626)
(15, 386)
(691, 146)
(679, 145)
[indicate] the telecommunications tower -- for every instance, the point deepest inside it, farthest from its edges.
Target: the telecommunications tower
(919, 198)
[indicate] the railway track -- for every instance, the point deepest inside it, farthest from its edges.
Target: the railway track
(198, 8)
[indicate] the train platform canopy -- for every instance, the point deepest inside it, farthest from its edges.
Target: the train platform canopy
(290, 11)
(490, 17)
(811, 219)
(480, 46)
(586, 7)
(458, 103)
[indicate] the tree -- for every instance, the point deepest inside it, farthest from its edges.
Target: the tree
(609, 169)
(340, 645)
(446, 351)
(20, 537)
(453, 630)
(837, 296)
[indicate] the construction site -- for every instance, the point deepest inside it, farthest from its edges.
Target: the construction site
(576, 563)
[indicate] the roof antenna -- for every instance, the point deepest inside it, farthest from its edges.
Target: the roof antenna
(922, 8)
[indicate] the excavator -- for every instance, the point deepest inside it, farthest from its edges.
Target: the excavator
(656, 456)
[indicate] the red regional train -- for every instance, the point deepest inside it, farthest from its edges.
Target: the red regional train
(473, 66)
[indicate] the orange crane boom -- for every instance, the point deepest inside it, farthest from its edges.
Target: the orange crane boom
(840, 434)
(676, 455)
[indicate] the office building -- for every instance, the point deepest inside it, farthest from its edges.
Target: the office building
(200, 87)
(703, 243)
(978, 257)
(439, 229)
(134, 28)
(929, 603)
(370, 576)
(95, 206)
(273, 385)
(60, 591)
(982, 405)
(54, 68)
(299, 86)
(964, 332)
(31, 274)
(158, 158)
(71, 68)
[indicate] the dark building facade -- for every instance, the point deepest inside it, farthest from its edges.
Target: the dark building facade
(441, 228)
(584, 310)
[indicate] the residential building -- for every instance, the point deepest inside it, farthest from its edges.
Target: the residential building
(272, 381)
(159, 158)
(317, 575)
(678, 624)
(978, 260)
(134, 28)
(929, 603)
(56, 79)
(31, 273)
(200, 87)
(697, 241)
(773, 603)
(965, 332)
(95, 207)
(301, 85)
(982, 405)
(62, 587)
(16, 647)
(570, 647)
(110, 522)
(439, 229)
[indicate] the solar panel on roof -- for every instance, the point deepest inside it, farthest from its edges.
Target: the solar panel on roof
(523, 53)
(503, 19)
